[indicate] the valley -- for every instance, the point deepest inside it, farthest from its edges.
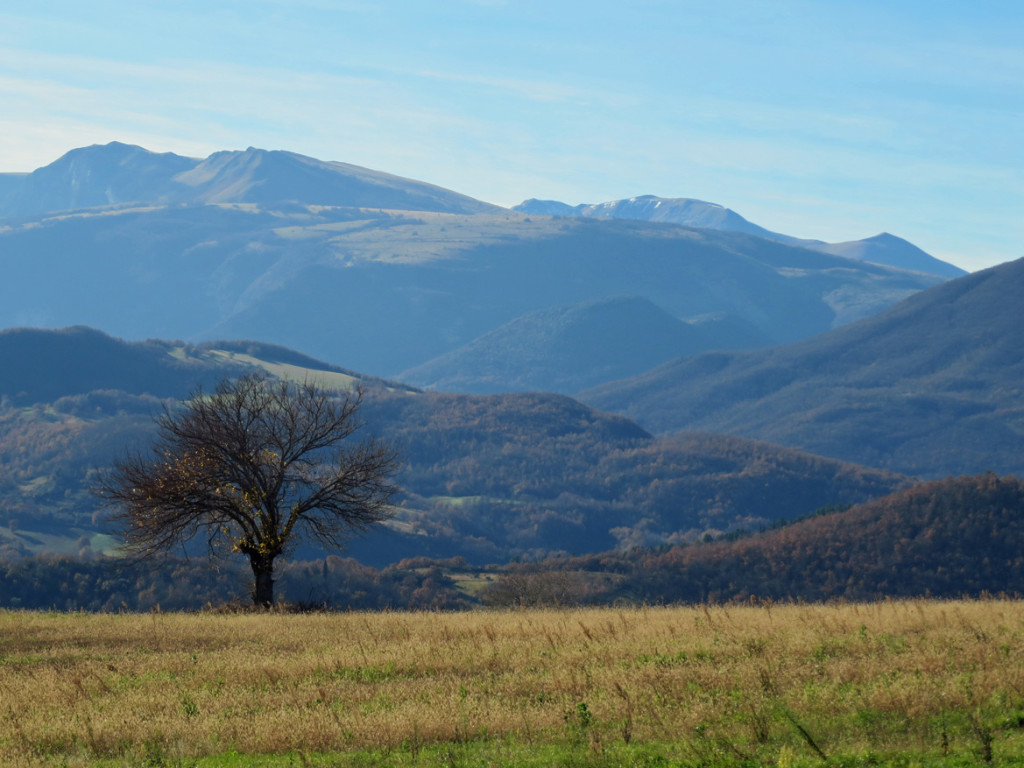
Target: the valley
(730, 380)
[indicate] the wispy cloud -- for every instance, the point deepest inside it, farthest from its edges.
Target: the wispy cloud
(546, 91)
(820, 120)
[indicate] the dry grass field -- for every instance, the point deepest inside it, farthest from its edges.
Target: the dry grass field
(894, 683)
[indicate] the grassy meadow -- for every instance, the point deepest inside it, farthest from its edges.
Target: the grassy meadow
(893, 683)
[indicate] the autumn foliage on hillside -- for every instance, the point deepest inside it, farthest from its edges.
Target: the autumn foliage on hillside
(948, 538)
(490, 478)
(952, 538)
(534, 474)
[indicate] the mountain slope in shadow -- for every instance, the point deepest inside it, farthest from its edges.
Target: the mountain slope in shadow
(930, 387)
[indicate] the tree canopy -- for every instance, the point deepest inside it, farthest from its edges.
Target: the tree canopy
(253, 467)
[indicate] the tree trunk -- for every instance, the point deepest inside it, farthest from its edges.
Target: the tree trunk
(263, 584)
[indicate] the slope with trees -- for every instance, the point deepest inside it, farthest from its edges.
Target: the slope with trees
(60, 582)
(489, 478)
(948, 539)
(955, 538)
(930, 387)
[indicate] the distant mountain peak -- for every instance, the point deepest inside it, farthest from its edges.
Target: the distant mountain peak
(99, 150)
(685, 211)
(270, 176)
(535, 207)
(111, 152)
(97, 175)
(119, 173)
(883, 248)
(887, 239)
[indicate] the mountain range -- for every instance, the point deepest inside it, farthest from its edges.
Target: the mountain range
(880, 249)
(929, 387)
(395, 277)
(698, 344)
(118, 174)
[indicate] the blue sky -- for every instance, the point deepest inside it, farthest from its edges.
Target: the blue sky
(834, 120)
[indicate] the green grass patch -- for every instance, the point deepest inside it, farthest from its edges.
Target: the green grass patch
(692, 752)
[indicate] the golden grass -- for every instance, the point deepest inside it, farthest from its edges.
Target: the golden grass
(750, 679)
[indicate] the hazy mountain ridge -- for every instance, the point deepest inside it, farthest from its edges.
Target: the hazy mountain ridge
(677, 210)
(894, 251)
(384, 274)
(566, 349)
(119, 174)
(405, 287)
(930, 386)
(92, 176)
(881, 249)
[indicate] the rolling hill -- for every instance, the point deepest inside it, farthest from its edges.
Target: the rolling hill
(945, 539)
(930, 387)
(485, 477)
(374, 272)
(41, 366)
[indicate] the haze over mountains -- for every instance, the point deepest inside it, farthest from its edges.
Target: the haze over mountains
(707, 342)
(566, 349)
(880, 249)
(930, 387)
(386, 275)
(120, 173)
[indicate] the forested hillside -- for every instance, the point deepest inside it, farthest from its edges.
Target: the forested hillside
(930, 387)
(485, 477)
(947, 538)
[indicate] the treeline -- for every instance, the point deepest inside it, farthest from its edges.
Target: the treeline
(64, 583)
(952, 538)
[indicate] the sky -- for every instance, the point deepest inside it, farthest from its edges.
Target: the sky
(826, 119)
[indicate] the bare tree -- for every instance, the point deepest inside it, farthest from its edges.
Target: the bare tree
(254, 466)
